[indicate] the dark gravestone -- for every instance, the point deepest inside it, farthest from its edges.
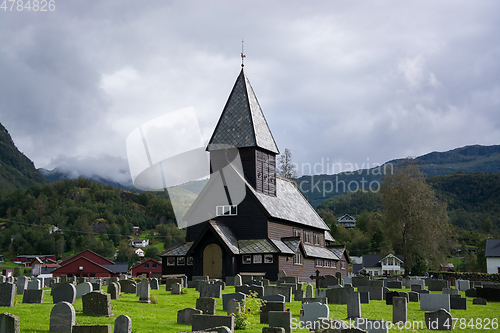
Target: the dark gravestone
(394, 285)
(437, 285)
(270, 306)
(170, 281)
(364, 297)
(22, 284)
(123, 324)
(154, 284)
(376, 293)
(128, 286)
(479, 301)
(458, 303)
(414, 296)
(210, 290)
(389, 296)
(113, 290)
(247, 290)
(439, 320)
(471, 292)
(329, 280)
(185, 316)
(204, 322)
(281, 319)
(33, 296)
(64, 293)
(97, 303)
(9, 323)
(7, 294)
(489, 294)
(337, 295)
(62, 317)
(207, 304)
(240, 297)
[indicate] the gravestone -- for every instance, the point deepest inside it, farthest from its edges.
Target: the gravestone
(477, 284)
(359, 281)
(274, 298)
(312, 311)
(176, 289)
(423, 291)
(3, 279)
(62, 317)
(321, 293)
(123, 324)
(390, 295)
(33, 296)
(240, 297)
(270, 306)
(439, 320)
(254, 283)
(298, 295)
(7, 294)
(128, 286)
(414, 296)
(394, 285)
(309, 291)
(97, 303)
(479, 301)
(9, 323)
(418, 282)
(489, 294)
(415, 287)
(144, 291)
(64, 293)
(210, 290)
(353, 305)
(433, 302)
(223, 284)
(347, 280)
(338, 295)
(233, 307)
(399, 309)
(113, 290)
(338, 275)
(293, 286)
(281, 319)
(451, 291)
(458, 303)
(204, 322)
(281, 274)
(376, 293)
(463, 285)
(185, 316)
(364, 297)
(22, 284)
(372, 325)
(153, 283)
(250, 289)
(92, 329)
(322, 300)
(437, 285)
(170, 281)
(83, 288)
(237, 281)
(34, 284)
(471, 292)
(207, 304)
(329, 280)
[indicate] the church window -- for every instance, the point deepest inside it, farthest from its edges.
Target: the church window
(307, 237)
(316, 239)
(189, 260)
(257, 259)
(297, 259)
(327, 263)
(247, 259)
(171, 261)
(268, 258)
(181, 261)
(296, 233)
(227, 210)
(319, 262)
(343, 264)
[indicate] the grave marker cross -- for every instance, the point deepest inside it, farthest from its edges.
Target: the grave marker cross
(317, 277)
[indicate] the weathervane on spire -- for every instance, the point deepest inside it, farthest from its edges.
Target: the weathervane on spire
(242, 55)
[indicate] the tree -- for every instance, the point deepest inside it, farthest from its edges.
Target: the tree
(416, 224)
(286, 168)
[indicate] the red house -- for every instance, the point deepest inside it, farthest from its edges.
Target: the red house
(151, 268)
(27, 259)
(90, 264)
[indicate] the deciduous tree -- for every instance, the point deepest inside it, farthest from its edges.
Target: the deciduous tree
(286, 168)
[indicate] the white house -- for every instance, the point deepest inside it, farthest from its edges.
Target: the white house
(140, 243)
(347, 221)
(376, 264)
(493, 256)
(139, 252)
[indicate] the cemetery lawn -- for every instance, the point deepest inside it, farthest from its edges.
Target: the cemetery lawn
(162, 317)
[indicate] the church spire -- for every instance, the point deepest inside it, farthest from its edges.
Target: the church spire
(242, 123)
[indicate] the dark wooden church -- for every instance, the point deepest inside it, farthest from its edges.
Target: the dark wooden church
(247, 219)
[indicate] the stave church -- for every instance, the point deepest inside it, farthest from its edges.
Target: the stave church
(247, 220)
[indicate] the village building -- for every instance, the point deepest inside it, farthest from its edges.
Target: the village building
(26, 260)
(149, 268)
(139, 243)
(89, 264)
(251, 221)
(492, 255)
(347, 221)
(377, 264)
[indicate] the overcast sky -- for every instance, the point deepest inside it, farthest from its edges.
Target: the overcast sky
(346, 81)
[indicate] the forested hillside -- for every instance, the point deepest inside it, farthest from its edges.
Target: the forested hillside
(16, 170)
(67, 215)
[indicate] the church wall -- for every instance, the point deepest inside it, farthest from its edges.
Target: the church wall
(278, 230)
(271, 269)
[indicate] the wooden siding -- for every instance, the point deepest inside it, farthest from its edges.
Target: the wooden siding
(278, 230)
(90, 269)
(140, 269)
(91, 256)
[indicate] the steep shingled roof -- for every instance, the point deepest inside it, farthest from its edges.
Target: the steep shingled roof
(242, 123)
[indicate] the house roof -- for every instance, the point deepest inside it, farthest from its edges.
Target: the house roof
(70, 259)
(492, 248)
(178, 250)
(83, 259)
(242, 123)
(328, 236)
(248, 246)
(118, 267)
(373, 260)
(282, 247)
(145, 261)
(346, 218)
(319, 252)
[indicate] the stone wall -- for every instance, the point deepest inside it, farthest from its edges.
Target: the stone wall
(468, 276)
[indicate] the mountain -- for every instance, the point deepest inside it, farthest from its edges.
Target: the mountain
(476, 158)
(16, 170)
(58, 175)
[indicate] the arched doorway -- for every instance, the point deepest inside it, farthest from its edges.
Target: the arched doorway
(212, 261)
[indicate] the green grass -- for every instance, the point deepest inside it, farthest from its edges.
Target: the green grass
(162, 317)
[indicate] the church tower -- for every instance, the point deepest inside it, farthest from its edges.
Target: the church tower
(242, 125)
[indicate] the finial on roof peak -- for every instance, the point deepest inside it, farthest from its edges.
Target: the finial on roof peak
(242, 54)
